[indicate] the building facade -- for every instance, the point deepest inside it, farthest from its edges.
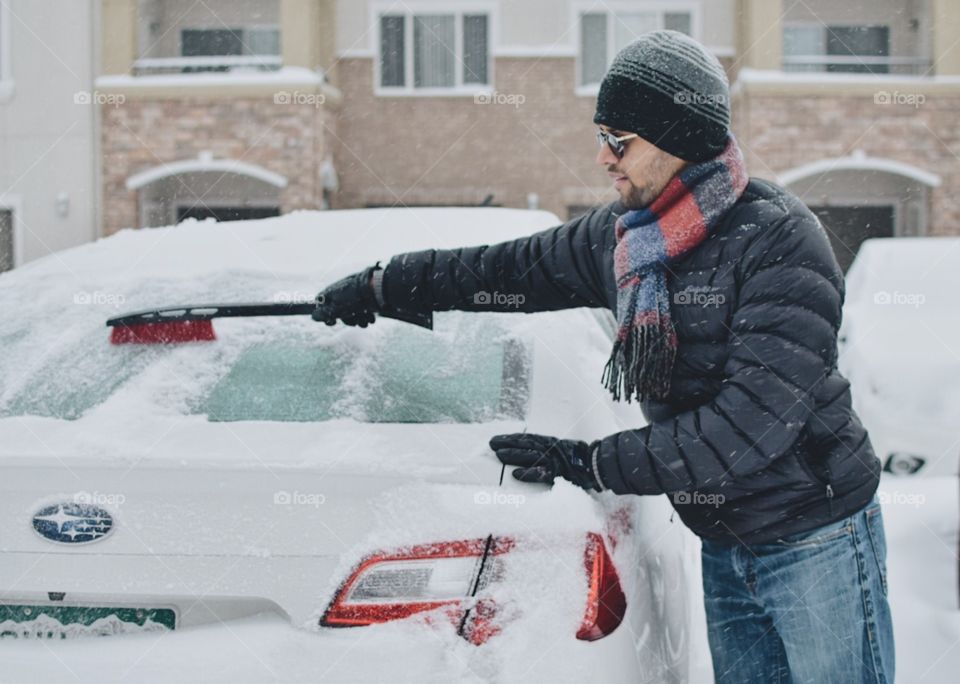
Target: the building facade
(249, 108)
(49, 163)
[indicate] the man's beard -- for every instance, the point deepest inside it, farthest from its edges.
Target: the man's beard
(636, 198)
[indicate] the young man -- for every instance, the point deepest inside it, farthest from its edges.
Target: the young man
(728, 300)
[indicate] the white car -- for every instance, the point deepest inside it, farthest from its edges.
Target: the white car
(900, 349)
(294, 501)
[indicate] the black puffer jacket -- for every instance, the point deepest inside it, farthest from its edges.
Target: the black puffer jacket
(757, 438)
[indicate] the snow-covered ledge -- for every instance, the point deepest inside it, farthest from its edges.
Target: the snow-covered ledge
(232, 83)
(823, 83)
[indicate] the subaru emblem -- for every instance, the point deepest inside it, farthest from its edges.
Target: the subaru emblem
(72, 523)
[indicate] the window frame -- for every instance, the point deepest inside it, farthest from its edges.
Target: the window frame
(614, 7)
(824, 31)
(13, 204)
(215, 63)
(6, 54)
(408, 11)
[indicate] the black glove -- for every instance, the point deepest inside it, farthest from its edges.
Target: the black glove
(351, 299)
(542, 458)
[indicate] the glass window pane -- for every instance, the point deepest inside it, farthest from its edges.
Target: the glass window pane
(475, 48)
(863, 41)
(262, 41)
(469, 370)
(627, 27)
(801, 41)
(391, 51)
(434, 59)
(6, 240)
(211, 42)
(593, 48)
(678, 21)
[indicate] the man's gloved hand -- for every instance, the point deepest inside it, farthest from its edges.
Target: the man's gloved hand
(542, 458)
(351, 299)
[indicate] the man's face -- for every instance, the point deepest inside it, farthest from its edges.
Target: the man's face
(643, 172)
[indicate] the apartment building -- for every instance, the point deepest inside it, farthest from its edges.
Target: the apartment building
(254, 107)
(48, 164)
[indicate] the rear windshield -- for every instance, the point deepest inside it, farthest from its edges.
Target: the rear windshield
(468, 369)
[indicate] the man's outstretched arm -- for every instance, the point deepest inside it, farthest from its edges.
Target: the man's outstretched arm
(558, 268)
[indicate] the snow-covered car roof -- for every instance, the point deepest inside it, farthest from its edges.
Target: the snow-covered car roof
(327, 243)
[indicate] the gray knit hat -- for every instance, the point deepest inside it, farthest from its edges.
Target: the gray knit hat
(668, 89)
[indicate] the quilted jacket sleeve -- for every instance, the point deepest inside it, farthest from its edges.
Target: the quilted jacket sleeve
(558, 268)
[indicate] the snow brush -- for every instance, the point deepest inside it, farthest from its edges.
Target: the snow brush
(179, 324)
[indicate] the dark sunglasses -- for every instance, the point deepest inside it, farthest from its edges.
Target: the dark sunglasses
(614, 143)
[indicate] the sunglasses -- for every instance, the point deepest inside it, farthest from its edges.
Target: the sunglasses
(614, 143)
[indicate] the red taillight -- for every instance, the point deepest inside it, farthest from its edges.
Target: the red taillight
(395, 585)
(606, 603)
(398, 584)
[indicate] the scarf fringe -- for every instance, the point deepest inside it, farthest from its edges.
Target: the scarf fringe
(641, 364)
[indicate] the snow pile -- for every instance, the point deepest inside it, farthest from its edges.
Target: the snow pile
(901, 349)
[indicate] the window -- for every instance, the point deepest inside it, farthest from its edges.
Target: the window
(604, 33)
(471, 368)
(7, 260)
(474, 373)
(845, 49)
(251, 42)
(424, 51)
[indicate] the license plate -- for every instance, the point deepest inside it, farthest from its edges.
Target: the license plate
(67, 622)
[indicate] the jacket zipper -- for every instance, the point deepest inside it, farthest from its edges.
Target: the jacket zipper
(830, 498)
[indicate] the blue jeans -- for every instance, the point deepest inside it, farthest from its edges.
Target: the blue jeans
(810, 607)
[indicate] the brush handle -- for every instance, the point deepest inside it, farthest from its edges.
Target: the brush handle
(207, 312)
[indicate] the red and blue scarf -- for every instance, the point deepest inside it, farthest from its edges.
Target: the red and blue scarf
(648, 240)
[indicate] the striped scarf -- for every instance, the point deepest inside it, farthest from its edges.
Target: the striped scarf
(648, 240)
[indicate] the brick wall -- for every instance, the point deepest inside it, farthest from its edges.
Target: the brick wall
(453, 150)
(781, 132)
(141, 133)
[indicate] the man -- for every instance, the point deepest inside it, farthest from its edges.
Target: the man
(728, 300)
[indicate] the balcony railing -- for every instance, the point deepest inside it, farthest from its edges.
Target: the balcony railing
(178, 65)
(902, 66)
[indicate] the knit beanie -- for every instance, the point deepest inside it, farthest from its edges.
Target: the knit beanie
(669, 90)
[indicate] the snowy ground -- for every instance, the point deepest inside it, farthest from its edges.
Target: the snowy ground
(921, 516)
